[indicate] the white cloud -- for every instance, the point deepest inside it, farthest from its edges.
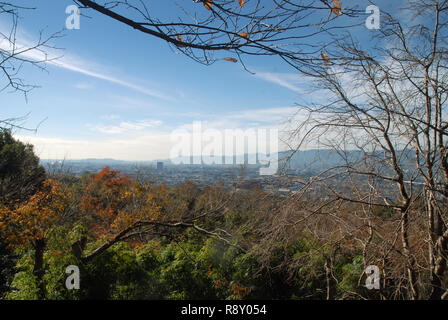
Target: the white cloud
(253, 118)
(138, 141)
(290, 81)
(24, 49)
(71, 65)
(126, 126)
(270, 115)
(143, 148)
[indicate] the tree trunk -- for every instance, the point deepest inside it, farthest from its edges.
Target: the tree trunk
(407, 253)
(439, 268)
(38, 270)
(331, 285)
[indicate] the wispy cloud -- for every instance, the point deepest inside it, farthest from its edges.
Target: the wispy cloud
(23, 48)
(290, 81)
(126, 126)
(311, 92)
(148, 139)
(70, 64)
(249, 118)
(270, 115)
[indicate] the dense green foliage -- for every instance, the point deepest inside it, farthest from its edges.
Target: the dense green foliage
(20, 172)
(191, 269)
(6, 267)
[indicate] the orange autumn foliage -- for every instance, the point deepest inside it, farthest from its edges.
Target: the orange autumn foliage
(238, 292)
(230, 59)
(113, 201)
(35, 218)
(325, 58)
(208, 4)
(337, 8)
(103, 198)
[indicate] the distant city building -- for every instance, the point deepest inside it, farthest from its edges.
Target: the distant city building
(160, 166)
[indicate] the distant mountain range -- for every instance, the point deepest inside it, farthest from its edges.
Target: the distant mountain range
(307, 159)
(106, 161)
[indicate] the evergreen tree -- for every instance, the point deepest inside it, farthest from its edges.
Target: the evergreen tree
(20, 172)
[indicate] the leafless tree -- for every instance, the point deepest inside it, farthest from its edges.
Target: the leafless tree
(15, 54)
(384, 114)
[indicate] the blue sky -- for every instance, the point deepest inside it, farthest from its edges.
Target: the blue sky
(117, 93)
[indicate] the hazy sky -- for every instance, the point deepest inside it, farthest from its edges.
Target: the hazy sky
(117, 93)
